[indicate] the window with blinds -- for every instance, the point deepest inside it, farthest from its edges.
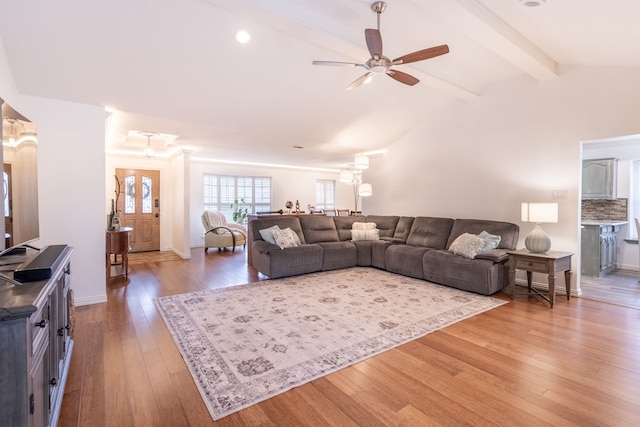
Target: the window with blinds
(325, 194)
(252, 193)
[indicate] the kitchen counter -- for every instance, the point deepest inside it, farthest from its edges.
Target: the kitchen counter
(598, 222)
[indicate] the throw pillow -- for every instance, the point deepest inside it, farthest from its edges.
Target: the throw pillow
(467, 245)
(267, 234)
(295, 236)
(491, 241)
(363, 226)
(284, 238)
(365, 234)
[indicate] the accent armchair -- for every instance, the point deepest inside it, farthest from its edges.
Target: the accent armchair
(219, 234)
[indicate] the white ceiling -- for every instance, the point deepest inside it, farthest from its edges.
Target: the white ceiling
(174, 67)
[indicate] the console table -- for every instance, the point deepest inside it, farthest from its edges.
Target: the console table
(117, 243)
(550, 263)
(36, 335)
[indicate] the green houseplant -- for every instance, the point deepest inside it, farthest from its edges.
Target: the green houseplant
(239, 214)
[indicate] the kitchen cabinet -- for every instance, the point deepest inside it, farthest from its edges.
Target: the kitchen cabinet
(599, 178)
(599, 248)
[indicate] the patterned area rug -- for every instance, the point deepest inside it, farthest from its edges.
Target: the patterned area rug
(245, 344)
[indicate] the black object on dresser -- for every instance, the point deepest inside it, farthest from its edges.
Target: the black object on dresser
(35, 332)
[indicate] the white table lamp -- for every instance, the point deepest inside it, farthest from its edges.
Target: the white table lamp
(537, 241)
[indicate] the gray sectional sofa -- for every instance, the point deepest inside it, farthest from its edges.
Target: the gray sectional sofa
(412, 246)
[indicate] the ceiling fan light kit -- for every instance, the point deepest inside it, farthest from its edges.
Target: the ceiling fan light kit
(378, 63)
(532, 3)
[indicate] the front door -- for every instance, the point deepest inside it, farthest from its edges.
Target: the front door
(139, 207)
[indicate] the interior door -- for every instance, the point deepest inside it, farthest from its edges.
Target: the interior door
(139, 207)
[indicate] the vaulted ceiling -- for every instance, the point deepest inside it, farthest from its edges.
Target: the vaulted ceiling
(174, 67)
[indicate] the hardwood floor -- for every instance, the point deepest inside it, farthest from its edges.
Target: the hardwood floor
(619, 287)
(521, 364)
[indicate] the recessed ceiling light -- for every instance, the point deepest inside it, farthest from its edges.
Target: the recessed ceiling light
(532, 3)
(243, 37)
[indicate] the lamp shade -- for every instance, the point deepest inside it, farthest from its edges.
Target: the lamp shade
(365, 190)
(346, 176)
(539, 212)
(361, 162)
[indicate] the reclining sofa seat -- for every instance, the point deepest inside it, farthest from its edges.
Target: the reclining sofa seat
(486, 273)
(336, 253)
(274, 262)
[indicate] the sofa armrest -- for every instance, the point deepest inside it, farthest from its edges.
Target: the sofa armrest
(264, 247)
(495, 255)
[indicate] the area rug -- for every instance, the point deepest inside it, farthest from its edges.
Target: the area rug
(136, 258)
(245, 344)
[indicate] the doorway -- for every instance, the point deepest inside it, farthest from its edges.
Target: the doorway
(139, 207)
(620, 285)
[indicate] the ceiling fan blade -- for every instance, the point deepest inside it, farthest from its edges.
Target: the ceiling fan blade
(374, 42)
(359, 81)
(405, 78)
(422, 54)
(337, 63)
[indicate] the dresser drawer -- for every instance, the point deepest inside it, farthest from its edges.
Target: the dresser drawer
(531, 265)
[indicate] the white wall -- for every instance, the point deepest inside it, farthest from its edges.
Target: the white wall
(517, 143)
(70, 180)
(71, 187)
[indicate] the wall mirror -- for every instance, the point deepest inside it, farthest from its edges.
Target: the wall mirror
(20, 177)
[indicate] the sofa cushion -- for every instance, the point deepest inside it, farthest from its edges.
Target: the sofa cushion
(507, 231)
(430, 232)
(344, 224)
(475, 275)
(405, 260)
(291, 222)
(385, 223)
(403, 229)
(319, 228)
(337, 255)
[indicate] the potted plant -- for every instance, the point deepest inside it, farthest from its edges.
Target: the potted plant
(239, 214)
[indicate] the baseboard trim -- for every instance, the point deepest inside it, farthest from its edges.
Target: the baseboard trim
(97, 299)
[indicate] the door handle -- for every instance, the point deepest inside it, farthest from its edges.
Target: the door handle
(157, 215)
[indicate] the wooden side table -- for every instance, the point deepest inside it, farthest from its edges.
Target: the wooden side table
(550, 262)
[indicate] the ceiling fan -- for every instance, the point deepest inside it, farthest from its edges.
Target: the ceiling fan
(379, 63)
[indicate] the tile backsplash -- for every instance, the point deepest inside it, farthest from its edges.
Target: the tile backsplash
(605, 210)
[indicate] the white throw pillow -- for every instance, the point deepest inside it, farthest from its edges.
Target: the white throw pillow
(363, 226)
(467, 245)
(267, 234)
(365, 234)
(284, 238)
(295, 236)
